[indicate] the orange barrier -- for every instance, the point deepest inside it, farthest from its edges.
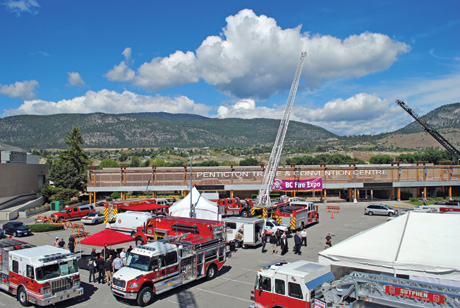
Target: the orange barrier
(333, 208)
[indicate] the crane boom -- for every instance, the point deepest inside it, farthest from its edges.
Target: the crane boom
(272, 165)
(443, 141)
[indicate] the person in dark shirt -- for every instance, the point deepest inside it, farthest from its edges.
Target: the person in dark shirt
(92, 269)
(61, 243)
(297, 243)
(100, 263)
(71, 244)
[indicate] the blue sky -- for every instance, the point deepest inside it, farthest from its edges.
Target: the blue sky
(232, 59)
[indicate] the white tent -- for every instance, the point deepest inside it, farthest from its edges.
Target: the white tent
(203, 208)
(423, 246)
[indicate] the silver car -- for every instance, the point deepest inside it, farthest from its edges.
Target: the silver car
(93, 218)
(380, 209)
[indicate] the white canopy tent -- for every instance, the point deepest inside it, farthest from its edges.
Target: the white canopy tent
(203, 208)
(423, 246)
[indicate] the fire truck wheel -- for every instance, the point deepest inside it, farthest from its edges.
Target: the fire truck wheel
(139, 241)
(244, 213)
(145, 297)
(22, 297)
(211, 273)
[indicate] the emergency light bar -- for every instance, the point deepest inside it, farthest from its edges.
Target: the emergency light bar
(54, 257)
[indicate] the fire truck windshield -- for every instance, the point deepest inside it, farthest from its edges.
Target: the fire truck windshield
(56, 270)
(139, 262)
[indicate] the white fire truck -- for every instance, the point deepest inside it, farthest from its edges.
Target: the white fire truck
(167, 264)
(41, 275)
(308, 284)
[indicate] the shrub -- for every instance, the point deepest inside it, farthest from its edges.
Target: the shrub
(45, 227)
(115, 195)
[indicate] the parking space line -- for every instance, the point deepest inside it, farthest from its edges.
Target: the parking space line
(221, 294)
(239, 281)
(250, 269)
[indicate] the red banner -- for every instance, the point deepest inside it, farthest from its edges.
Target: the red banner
(414, 294)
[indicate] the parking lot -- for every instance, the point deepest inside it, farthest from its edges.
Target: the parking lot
(233, 285)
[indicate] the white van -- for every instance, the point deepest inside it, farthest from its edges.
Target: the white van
(129, 221)
(247, 231)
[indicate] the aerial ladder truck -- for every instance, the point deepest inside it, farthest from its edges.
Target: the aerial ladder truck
(446, 144)
(264, 202)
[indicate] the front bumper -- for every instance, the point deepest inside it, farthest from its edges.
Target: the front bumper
(57, 297)
(124, 294)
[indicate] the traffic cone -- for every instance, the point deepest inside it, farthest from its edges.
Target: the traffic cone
(332, 214)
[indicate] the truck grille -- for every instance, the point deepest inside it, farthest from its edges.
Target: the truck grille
(61, 285)
(119, 283)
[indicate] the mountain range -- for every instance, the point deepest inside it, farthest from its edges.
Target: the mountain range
(159, 129)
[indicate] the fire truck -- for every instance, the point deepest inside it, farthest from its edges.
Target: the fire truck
(297, 215)
(234, 207)
(166, 264)
(41, 275)
(309, 284)
(163, 227)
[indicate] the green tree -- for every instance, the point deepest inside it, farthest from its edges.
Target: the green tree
(123, 157)
(159, 162)
(249, 162)
(381, 159)
(108, 163)
(69, 169)
(135, 162)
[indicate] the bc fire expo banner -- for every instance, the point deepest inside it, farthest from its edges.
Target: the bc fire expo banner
(292, 184)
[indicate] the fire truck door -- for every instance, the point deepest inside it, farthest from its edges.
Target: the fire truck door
(280, 291)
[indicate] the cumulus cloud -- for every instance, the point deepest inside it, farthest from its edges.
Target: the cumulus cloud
(22, 6)
(122, 72)
(256, 58)
(75, 79)
(361, 114)
(24, 90)
(111, 102)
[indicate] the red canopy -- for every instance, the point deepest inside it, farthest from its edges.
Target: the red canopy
(143, 207)
(107, 237)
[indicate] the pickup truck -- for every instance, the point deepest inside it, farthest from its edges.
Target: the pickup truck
(73, 212)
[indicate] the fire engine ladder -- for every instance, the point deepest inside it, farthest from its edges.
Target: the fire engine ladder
(272, 165)
(358, 287)
(443, 141)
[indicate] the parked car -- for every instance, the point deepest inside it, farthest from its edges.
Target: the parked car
(380, 209)
(16, 228)
(93, 218)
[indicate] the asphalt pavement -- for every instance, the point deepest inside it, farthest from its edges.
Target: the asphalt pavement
(232, 287)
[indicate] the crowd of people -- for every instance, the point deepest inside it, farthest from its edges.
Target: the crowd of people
(106, 263)
(279, 239)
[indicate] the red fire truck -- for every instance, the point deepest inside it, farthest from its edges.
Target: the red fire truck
(162, 227)
(167, 264)
(297, 215)
(305, 284)
(41, 275)
(234, 207)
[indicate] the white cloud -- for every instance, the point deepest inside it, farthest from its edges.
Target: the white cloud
(111, 102)
(360, 114)
(22, 6)
(122, 72)
(255, 58)
(75, 79)
(24, 90)
(161, 73)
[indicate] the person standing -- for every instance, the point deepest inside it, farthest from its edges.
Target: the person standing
(108, 269)
(129, 249)
(284, 244)
(56, 242)
(92, 268)
(71, 244)
(297, 243)
(100, 264)
(117, 263)
(273, 243)
(123, 256)
(61, 243)
(265, 237)
(304, 235)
